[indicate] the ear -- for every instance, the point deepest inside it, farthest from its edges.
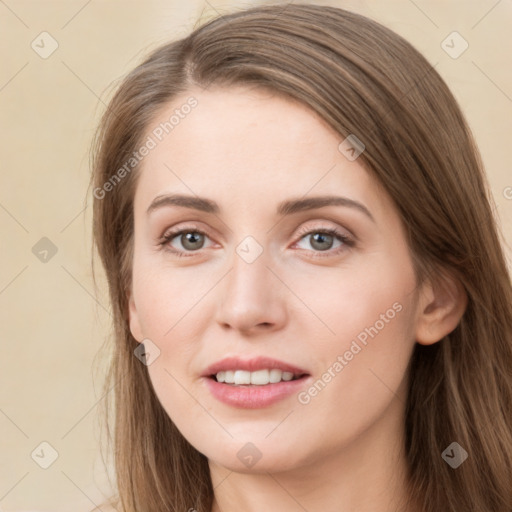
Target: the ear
(441, 306)
(135, 327)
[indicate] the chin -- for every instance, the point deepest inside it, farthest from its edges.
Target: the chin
(261, 463)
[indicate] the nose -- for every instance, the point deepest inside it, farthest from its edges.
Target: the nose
(251, 298)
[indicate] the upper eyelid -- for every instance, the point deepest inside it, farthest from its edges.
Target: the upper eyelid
(301, 230)
(304, 230)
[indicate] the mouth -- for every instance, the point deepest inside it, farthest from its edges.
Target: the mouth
(254, 383)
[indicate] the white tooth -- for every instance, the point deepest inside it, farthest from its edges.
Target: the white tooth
(242, 377)
(275, 375)
(260, 377)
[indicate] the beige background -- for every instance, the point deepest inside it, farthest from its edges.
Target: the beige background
(51, 324)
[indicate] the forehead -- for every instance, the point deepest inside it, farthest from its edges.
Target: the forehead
(242, 144)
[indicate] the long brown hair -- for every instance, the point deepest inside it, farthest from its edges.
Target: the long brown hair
(362, 79)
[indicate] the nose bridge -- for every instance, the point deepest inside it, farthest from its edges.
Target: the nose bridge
(248, 279)
(250, 294)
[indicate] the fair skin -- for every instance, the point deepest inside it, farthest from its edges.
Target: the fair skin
(248, 151)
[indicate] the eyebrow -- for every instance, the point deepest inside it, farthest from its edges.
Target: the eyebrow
(288, 207)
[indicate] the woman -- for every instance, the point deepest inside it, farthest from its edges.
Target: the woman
(312, 307)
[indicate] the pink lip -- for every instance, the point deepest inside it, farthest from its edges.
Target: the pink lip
(253, 396)
(251, 365)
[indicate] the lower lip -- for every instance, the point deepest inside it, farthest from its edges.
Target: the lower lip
(253, 396)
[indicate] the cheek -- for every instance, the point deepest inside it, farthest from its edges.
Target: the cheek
(363, 374)
(371, 312)
(173, 307)
(371, 300)
(169, 308)
(167, 298)
(368, 316)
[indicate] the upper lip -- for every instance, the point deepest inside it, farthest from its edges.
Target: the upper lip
(251, 365)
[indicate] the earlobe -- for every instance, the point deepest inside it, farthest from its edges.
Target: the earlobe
(134, 319)
(441, 306)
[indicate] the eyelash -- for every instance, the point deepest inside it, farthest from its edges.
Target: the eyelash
(342, 237)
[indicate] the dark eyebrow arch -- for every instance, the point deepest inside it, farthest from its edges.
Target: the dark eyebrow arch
(193, 202)
(310, 203)
(288, 207)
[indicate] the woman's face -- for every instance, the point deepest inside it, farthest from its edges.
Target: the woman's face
(255, 275)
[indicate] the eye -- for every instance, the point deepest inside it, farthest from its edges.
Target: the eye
(191, 239)
(322, 241)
